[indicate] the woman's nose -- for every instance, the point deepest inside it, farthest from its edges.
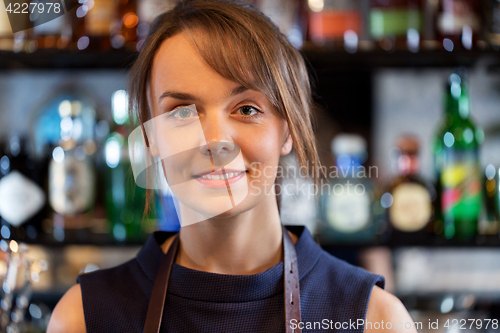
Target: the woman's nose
(217, 133)
(216, 148)
(220, 154)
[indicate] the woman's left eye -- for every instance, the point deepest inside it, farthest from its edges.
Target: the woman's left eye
(248, 111)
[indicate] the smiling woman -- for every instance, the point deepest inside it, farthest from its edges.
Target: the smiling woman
(221, 95)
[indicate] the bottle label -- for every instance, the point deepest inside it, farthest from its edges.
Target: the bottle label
(100, 17)
(71, 185)
(20, 198)
(394, 22)
(456, 15)
(461, 182)
(348, 211)
(411, 209)
(331, 24)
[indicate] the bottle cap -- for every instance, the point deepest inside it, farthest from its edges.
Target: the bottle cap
(408, 143)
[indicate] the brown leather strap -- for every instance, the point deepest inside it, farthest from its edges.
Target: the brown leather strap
(291, 286)
(157, 300)
(292, 290)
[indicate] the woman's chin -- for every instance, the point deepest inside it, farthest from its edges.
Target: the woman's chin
(194, 210)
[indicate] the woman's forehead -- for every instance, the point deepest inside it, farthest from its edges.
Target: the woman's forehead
(178, 65)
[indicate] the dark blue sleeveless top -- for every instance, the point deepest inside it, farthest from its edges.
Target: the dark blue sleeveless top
(116, 299)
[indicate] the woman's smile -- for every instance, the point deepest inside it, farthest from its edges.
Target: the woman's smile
(220, 178)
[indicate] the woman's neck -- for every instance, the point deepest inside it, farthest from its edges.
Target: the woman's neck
(248, 243)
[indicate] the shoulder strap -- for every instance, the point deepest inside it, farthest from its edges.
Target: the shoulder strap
(157, 300)
(292, 290)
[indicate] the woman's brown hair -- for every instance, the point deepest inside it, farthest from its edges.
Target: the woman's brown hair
(242, 45)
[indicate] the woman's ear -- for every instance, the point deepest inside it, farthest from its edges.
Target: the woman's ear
(286, 148)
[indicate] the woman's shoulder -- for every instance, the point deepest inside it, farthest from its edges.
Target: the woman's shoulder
(68, 316)
(386, 309)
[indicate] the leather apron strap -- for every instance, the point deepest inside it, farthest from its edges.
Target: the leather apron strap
(291, 286)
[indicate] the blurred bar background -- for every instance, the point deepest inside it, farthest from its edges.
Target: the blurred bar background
(408, 127)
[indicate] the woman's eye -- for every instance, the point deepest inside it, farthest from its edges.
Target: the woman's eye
(182, 113)
(248, 110)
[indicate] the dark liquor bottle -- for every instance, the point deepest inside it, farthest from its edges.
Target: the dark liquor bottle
(22, 198)
(125, 201)
(396, 24)
(494, 24)
(127, 34)
(490, 223)
(97, 22)
(410, 214)
(337, 24)
(458, 23)
(347, 201)
(54, 34)
(456, 150)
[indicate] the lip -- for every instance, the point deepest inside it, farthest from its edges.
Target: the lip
(222, 182)
(218, 172)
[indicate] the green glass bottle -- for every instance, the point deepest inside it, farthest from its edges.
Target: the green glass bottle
(456, 153)
(124, 199)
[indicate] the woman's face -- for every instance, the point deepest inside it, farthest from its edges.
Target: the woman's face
(221, 157)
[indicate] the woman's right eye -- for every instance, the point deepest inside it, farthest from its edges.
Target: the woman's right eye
(182, 113)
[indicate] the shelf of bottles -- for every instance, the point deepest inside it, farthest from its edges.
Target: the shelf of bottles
(71, 181)
(358, 32)
(460, 208)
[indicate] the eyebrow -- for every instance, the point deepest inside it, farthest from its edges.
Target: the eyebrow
(185, 96)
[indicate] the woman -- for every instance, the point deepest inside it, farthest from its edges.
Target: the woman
(225, 67)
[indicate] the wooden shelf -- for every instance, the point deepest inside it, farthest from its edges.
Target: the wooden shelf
(326, 61)
(55, 59)
(321, 59)
(481, 241)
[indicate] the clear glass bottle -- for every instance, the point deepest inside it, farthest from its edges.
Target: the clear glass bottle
(347, 200)
(66, 124)
(456, 155)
